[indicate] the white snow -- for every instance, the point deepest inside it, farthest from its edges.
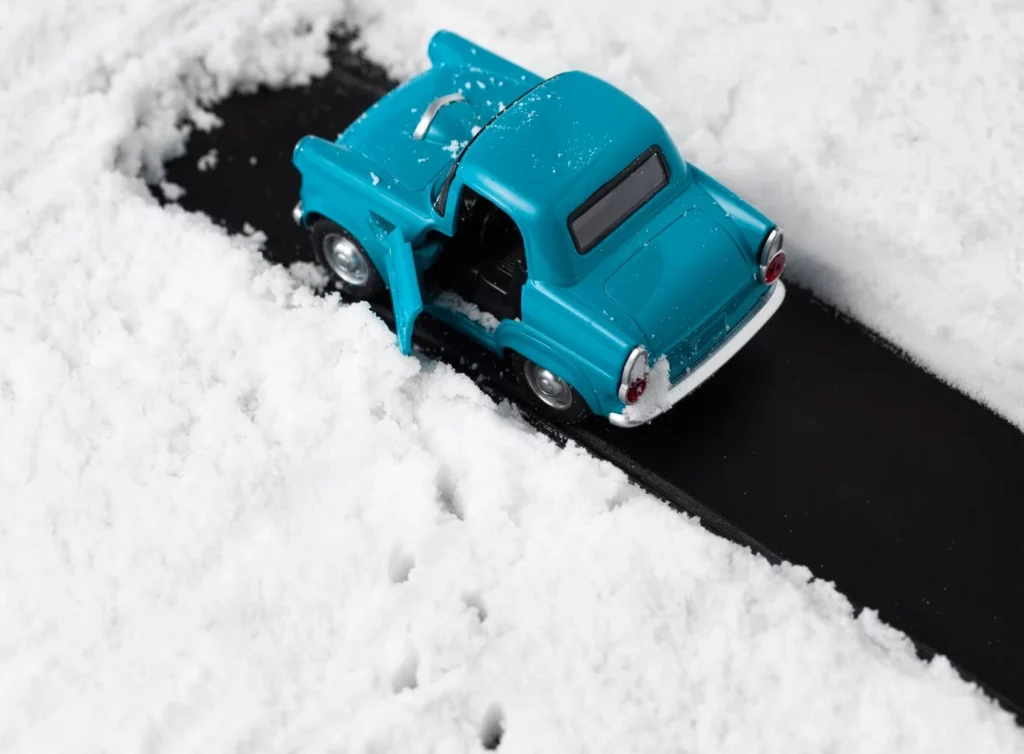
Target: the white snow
(655, 399)
(207, 161)
(884, 138)
(309, 274)
(172, 191)
(455, 302)
(374, 178)
(234, 517)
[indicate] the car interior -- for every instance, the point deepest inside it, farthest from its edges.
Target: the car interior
(484, 262)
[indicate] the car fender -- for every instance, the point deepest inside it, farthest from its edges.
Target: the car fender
(751, 225)
(532, 345)
(345, 187)
(334, 208)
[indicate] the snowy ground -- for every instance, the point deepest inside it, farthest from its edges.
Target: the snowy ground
(236, 518)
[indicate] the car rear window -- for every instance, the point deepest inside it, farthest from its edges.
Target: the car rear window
(613, 203)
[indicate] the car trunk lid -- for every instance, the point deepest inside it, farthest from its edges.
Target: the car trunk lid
(682, 282)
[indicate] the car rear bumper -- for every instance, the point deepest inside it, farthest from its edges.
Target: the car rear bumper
(714, 360)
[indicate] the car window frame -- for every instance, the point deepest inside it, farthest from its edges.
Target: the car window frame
(609, 186)
(442, 194)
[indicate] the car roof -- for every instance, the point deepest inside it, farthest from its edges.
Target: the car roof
(557, 144)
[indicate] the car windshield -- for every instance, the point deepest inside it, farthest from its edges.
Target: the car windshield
(440, 192)
(613, 203)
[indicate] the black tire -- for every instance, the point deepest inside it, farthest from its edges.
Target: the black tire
(560, 401)
(352, 272)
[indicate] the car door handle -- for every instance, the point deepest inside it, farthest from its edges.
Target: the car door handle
(431, 112)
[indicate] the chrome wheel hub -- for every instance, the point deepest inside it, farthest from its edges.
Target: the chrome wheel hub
(549, 387)
(345, 259)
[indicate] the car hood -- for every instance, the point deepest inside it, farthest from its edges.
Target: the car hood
(680, 278)
(485, 85)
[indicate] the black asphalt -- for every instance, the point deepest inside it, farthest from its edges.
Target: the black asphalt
(817, 444)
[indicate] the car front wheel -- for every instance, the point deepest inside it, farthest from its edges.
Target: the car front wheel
(550, 394)
(345, 260)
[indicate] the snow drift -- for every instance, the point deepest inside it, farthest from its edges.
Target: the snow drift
(235, 517)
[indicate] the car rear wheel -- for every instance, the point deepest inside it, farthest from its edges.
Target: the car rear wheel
(345, 260)
(550, 394)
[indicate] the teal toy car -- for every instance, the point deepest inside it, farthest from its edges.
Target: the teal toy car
(551, 220)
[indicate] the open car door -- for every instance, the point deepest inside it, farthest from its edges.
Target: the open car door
(406, 299)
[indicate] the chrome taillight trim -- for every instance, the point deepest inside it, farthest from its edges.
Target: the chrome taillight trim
(772, 245)
(635, 355)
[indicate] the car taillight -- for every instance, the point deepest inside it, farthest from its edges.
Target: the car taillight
(774, 268)
(636, 389)
(772, 258)
(634, 376)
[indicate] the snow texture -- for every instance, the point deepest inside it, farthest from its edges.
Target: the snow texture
(207, 161)
(885, 138)
(309, 274)
(172, 191)
(236, 518)
(455, 302)
(655, 399)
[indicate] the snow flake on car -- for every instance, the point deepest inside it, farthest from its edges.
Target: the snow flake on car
(455, 303)
(583, 248)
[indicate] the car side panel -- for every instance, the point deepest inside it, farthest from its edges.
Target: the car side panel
(593, 364)
(537, 348)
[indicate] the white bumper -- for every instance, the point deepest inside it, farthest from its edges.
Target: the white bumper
(714, 360)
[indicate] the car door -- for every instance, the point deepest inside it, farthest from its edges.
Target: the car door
(406, 298)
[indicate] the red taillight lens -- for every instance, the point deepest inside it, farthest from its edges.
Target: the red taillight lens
(634, 376)
(636, 389)
(775, 267)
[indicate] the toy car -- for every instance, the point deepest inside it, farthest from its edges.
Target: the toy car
(551, 220)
